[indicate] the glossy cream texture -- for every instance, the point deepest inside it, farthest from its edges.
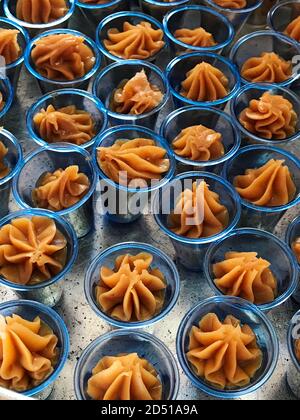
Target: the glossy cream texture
(224, 353)
(133, 290)
(124, 377)
(231, 4)
(269, 67)
(9, 46)
(197, 37)
(296, 248)
(28, 352)
(4, 169)
(293, 29)
(245, 275)
(31, 250)
(37, 11)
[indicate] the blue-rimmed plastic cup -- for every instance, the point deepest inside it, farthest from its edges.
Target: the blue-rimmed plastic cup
(292, 234)
(255, 91)
(49, 159)
(12, 70)
(190, 252)
(265, 218)
(94, 13)
(36, 28)
(118, 342)
(112, 76)
(48, 292)
(248, 314)
(192, 17)
(29, 310)
(209, 117)
(48, 85)
(257, 43)
(158, 8)
(116, 21)
(178, 68)
(108, 258)
(282, 14)
(7, 92)
(125, 204)
(268, 247)
(13, 161)
(293, 372)
(65, 97)
(236, 16)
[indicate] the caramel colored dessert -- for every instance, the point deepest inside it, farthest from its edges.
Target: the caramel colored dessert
(9, 46)
(62, 57)
(67, 124)
(205, 83)
(198, 213)
(61, 189)
(231, 4)
(136, 96)
(197, 37)
(271, 117)
(2, 102)
(296, 249)
(269, 68)
(124, 377)
(139, 41)
(4, 170)
(31, 250)
(36, 11)
(129, 160)
(270, 185)
(293, 29)
(199, 143)
(244, 275)
(28, 353)
(224, 354)
(297, 349)
(132, 291)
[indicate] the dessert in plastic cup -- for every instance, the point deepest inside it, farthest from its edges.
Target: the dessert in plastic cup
(292, 240)
(293, 341)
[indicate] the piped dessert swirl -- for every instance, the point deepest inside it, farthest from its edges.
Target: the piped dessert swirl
(271, 117)
(231, 4)
(296, 248)
(31, 250)
(62, 57)
(293, 29)
(124, 377)
(297, 349)
(28, 353)
(268, 68)
(133, 160)
(245, 275)
(198, 213)
(132, 290)
(61, 189)
(197, 37)
(67, 124)
(4, 169)
(205, 83)
(36, 11)
(270, 185)
(199, 143)
(9, 46)
(224, 354)
(136, 96)
(139, 41)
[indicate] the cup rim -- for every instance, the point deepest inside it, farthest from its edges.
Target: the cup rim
(53, 314)
(45, 26)
(10, 98)
(264, 234)
(264, 87)
(218, 58)
(57, 148)
(206, 240)
(141, 247)
(87, 40)
(98, 6)
(286, 154)
(263, 33)
(121, 333)
(35, 107)
(289, 232)
(162, 3)
(152, 67)
(18, 147)
(198, 382)
(290, 341)
(211, 3)
(209, 163)
(273, 10)
(128, 14)
(25, 35)
(204, 9)
(30, 212)
(144, 130)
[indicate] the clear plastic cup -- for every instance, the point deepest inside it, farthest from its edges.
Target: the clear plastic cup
(282, 14)
(94, 13)
(293, 372)
(7, 92)
(48, 292)
(292, 234)
(248, 314)
(158, 8)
